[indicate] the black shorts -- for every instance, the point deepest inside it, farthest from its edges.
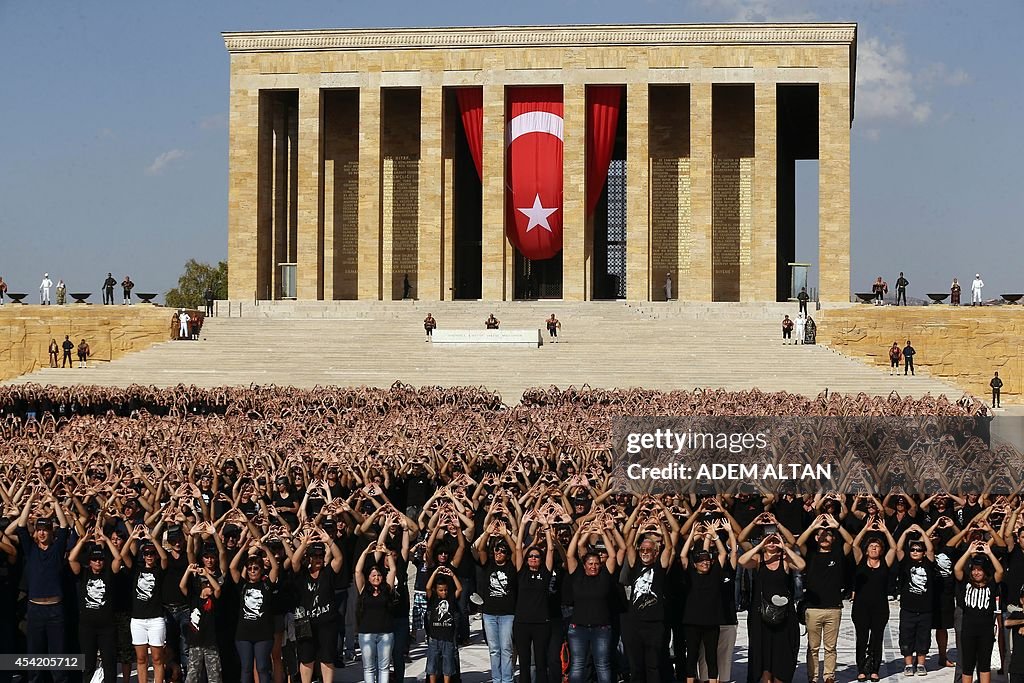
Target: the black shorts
(553, 331)
(322, 646)
(787, 334)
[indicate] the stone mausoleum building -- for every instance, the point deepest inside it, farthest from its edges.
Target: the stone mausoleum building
(566, 162)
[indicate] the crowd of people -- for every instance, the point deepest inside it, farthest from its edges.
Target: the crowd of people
(880, 288)
(271, 533)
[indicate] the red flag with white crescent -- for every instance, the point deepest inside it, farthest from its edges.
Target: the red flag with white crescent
(534, 146)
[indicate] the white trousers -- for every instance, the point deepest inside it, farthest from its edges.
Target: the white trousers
(975, 296)
(183, 331)
(44, 295)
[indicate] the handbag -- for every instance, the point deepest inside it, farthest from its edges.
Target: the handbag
(303, 629)
(774, 608)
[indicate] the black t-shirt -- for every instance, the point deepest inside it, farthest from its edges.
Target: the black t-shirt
(591, 596)
(418, 488)
(823, 578)
(171, 586)
(703, 597)
(316, 596)
(870, 585)
(744, 512)
(146, 603)
(791, 514)
(978, 603)
(202, 627)
(374, 614)
(647, 600)
(256, 611)
(96, 596)
(499, 589)
(441, 615)
(532, 597)
(917, 584)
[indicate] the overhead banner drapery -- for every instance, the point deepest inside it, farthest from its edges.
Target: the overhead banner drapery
(471, 108)
(534, 171)
(603, 103)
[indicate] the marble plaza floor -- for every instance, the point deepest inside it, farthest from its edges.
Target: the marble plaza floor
(476, 664)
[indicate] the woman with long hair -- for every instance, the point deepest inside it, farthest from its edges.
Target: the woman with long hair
(374, 621)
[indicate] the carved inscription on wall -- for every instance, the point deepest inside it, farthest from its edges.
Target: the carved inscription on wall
(725, 230)
(746, 201)
(399, 219)
(671, 236)
(347, 218)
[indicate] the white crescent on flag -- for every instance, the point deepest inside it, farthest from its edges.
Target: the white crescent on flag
(535, 122)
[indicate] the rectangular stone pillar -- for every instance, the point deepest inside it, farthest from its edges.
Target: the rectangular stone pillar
(834, 192)
(696, 284)
(369, 192)
(280, 195)
(429, 266)
(758, 281)
(494, 244)
(244, 159)
(638, 164)
(310, 242)
(451, 120)
(574, 191)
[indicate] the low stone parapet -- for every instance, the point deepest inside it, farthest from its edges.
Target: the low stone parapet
(515, 338)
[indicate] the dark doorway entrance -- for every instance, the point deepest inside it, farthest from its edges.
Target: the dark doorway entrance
(609, 247)
(538, 279)
(467, 251)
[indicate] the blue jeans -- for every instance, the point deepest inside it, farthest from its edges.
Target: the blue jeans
(593, 640)
(248, 651)
(177, 618)
(376, 649)
(498, 629)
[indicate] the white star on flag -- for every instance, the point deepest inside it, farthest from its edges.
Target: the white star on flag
(537, 214)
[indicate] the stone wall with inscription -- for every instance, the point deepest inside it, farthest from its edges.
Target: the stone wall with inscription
(671, 225)
(400, 182)
(731, 187)
(341, 194)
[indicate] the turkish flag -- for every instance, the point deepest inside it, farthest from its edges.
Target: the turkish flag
(534, 146)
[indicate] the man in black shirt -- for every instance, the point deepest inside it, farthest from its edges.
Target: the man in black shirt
(645, 624)
(823, 590)
(996, 385)
(901, 289)
(108, 289)
(68, 347)
(908, 358)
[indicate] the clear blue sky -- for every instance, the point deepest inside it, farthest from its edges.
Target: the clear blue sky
(113, 127)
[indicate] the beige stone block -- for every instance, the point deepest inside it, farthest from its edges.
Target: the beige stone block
(638, 216)
(369, 193)
(429, 269)
(696, 285)
(111, 332)
(574, 182)
(310, 242)
(243, 171)
(759, 283)
(494, 243)
(834, 192)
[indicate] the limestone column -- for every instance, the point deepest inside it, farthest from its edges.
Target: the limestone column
(428, 269)
(834, 192)
(758, 280)
(310, 242)
(696, 285)
(638, 164)
(451, 120)
(246, 250)
(368, 269)
(574, 191)
(493, 249)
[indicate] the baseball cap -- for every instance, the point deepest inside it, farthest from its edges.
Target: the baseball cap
(317, 548)
(702, 556)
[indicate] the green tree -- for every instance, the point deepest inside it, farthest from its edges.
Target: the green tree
(193, 283)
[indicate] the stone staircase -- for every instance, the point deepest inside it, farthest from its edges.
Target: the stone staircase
(676, 345)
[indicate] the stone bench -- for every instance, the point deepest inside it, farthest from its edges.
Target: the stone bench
(519, 338)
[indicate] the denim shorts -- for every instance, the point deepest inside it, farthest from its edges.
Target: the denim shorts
(440, 657)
